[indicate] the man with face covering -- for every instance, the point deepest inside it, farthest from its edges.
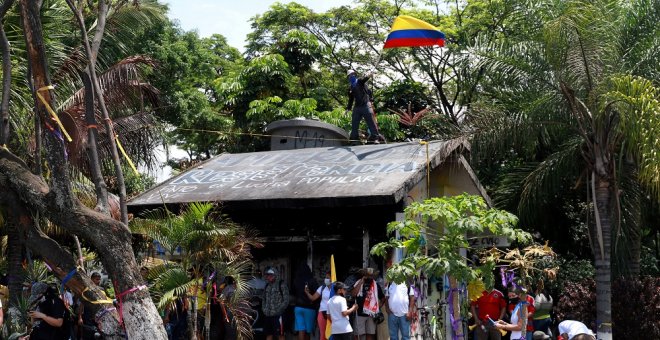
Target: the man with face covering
(46, 310)
(359, 99)
(368, 297)
(322, 292)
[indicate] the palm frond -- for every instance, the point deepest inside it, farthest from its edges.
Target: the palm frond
(550, 176)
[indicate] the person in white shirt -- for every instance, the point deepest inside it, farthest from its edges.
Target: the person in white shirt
(400, 304)
(338, 310)
(575, 330)
(322, 292)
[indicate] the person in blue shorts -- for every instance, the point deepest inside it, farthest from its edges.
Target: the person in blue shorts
(305, 310)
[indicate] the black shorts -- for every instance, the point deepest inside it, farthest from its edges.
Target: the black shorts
(344, 336)
(273, 325)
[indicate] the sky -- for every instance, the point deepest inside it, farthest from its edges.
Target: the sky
(231, 17)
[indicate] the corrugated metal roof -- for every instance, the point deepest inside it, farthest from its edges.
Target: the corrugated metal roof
(333, 176)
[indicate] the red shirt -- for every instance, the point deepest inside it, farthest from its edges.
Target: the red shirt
(530, 311)
(490, 304)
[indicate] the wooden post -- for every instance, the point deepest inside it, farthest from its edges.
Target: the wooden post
(365, 247)
(310, 250)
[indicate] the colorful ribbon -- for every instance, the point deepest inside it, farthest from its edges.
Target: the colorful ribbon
(51, 111)
(124, 293)
(95, 302)
(68, 277)
(123, 152)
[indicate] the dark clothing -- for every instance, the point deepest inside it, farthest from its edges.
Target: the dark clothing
(178, 320)
(273, 325)
(41, 330)
(344, 336)
(361, 297)
(357, 115)
(304, 278)
(360, 95)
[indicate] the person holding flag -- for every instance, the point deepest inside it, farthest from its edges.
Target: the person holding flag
(322, 292)
(359, 99)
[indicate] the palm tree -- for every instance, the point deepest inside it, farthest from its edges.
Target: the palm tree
(200, 241)
(568, 82)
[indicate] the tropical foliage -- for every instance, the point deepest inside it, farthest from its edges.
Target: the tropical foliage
(203, 244)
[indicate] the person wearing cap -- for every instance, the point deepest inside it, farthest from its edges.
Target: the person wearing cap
(338, 312)
(46, 311)
(518, 324)
(359, 99)
(368, 297)
(539, 335)
(276, 299)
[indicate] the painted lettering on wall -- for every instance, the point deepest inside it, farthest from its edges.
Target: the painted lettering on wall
(301, 171)
(303, 140)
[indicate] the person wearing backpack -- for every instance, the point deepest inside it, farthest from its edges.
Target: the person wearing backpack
(276, 300)
(400, 306)
(322, 292)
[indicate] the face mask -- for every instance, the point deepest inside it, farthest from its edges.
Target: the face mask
(352, 80)
(327, 282)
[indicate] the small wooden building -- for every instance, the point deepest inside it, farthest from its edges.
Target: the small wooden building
(307, 204)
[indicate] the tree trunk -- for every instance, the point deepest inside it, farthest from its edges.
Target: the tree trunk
(15, 272)
(92, 52)
(6, 75)
(603, 201)
(111, 238)
(92, 148)
(192, 318)
(632, 209)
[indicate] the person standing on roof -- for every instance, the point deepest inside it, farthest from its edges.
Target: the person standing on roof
(359, 99)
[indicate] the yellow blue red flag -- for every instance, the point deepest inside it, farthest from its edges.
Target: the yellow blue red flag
(333, 278)
(407, 31)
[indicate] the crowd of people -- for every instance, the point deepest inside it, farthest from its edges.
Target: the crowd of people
(56, 315)
(521, 316)
(349, 309)
(353, 307)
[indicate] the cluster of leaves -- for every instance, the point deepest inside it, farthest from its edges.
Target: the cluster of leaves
(441, 225)
(201, 241)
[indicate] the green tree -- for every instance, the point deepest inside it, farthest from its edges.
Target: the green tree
(568, 80)
(434, 232)
(202, 241)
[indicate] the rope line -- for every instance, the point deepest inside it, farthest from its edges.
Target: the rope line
(51, 111)
(264, 135)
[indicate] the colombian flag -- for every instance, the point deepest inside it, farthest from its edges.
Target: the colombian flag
(333, 278)
(411, 32)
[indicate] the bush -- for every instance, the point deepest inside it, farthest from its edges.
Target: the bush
(635, 306)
